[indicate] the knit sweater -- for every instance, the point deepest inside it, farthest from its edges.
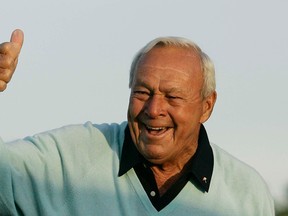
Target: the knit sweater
(74, 171)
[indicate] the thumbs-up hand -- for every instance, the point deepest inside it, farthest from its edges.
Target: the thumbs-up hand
(9, 52)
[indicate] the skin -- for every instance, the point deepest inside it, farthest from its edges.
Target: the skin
(9, 52)
(166, 110)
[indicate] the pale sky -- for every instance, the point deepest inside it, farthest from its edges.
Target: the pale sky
(77, 53)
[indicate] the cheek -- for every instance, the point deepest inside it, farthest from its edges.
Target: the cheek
(187, 118)
(134, 109)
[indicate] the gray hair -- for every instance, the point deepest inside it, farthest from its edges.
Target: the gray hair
(207, 65)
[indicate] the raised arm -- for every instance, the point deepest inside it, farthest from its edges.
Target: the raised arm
(9, 52)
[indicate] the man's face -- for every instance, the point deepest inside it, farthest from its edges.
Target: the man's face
(166, 108)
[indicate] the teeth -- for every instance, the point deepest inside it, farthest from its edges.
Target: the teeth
(155, 128)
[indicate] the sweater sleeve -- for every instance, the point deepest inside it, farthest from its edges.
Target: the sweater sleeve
(26, 167)
(37, 173)
(7, 206)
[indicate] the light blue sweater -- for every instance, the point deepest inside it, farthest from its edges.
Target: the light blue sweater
(74, 171)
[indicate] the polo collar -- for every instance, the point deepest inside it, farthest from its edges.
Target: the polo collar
(200, 167)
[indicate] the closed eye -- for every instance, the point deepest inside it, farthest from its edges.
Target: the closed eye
(141, 95)
(174, 100)
(173, 97)
(141, 92)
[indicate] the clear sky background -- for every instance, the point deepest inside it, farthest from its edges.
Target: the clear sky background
(77, 53)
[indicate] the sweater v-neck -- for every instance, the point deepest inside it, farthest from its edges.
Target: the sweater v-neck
(151, 210)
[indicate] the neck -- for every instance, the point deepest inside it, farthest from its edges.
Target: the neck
(168, 173)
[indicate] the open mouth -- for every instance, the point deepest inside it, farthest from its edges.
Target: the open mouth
(156, 130)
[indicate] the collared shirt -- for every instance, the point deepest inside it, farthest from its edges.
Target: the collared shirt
(197, 171)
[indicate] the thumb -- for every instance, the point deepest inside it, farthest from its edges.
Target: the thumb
(17, 37)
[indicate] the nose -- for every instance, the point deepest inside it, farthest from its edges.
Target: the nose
(156, 106)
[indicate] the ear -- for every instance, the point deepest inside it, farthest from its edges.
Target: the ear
(208, 105)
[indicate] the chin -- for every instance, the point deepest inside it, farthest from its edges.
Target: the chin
(154, 155)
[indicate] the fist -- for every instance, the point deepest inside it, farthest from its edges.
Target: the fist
(9, 53)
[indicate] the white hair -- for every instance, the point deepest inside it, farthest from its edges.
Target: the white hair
(207, 65)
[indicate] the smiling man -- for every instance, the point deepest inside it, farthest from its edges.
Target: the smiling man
(160, 162)
(166, 109)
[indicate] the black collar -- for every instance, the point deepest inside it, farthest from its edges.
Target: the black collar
(201, 167)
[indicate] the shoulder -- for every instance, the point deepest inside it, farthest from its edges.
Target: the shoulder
(240, 181)
(112, 131)
(233, 168)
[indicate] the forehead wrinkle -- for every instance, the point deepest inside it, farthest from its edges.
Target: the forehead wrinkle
(164, 68)
(167, 88)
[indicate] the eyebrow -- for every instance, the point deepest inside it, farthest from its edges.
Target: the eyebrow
(174, 90)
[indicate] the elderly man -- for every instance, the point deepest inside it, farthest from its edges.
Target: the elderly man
(159, 163)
